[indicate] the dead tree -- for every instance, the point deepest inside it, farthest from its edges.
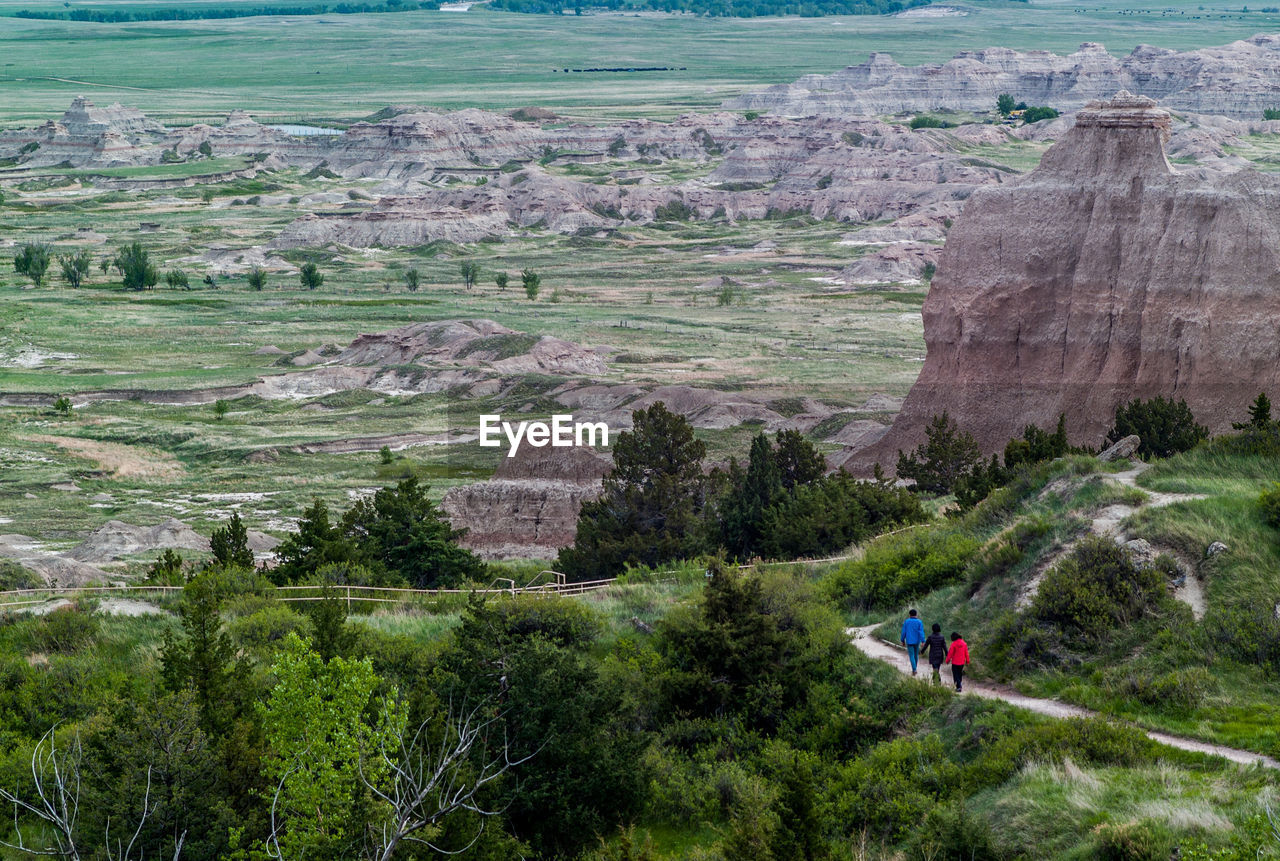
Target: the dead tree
(427, 782)
(55, 775)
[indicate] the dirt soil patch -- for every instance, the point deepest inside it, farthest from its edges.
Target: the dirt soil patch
(122, 461)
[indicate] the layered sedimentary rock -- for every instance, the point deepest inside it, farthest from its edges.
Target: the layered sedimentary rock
(530, 507)
(1102, 276)
(87, 134)
(852, 171)
(472, 343)
(1237, 80)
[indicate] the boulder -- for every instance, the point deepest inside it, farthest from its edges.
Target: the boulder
(1121, 449)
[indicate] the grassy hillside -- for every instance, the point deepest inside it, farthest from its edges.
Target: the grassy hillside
(1203, 671)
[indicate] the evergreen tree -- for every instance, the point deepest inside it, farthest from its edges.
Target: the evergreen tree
(1164, 426)
(1260, 411)
(230, 544)
(203, 658)
(751, 493)
(649, 512)
(799, 462)
(318, 542)
(402, 531)
(329, 624)
(1259, 414)
(947, 454)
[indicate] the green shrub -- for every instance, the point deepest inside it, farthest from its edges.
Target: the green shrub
(267, 626)
(1269, 501)
(563, 621)
(899, 567)
(1250, 635)
(1164, 426)
(924, 121)
(950, 832)
(1131, 841)
(14, 576)
(1096, 589)
(892, 787)
(1038, 113)
(65, 630)
(231, 581)
(675, 210)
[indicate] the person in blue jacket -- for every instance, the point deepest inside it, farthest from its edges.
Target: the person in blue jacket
(912, 637)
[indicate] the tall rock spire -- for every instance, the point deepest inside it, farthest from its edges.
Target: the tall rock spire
(1102, 276)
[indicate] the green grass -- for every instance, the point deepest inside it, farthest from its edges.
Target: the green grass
(317, 68)
(180, 170)
(1053, 810)
(1240, 706)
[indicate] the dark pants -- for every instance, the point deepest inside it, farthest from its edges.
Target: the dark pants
(957, 673)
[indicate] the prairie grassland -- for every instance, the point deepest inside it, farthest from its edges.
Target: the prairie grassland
(643, 292)
(347, 66)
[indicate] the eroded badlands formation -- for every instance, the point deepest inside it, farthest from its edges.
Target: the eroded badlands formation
(1236, 80)
(1102, 276)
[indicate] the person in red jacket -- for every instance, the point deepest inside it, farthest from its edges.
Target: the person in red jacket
(958, 657)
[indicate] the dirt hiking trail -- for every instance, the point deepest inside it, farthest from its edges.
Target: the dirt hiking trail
(1107, 523)
(872, 646)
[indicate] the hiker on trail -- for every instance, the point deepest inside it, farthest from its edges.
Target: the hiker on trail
(912, 637)
(937, 651)
(958, 657)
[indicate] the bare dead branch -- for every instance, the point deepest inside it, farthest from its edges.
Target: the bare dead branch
(427, 785)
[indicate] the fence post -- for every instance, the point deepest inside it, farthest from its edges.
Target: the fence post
(348, 599)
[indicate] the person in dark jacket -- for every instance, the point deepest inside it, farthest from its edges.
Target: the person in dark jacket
(958, 658)
(937, 648)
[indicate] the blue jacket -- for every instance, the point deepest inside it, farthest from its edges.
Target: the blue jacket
(912, 631)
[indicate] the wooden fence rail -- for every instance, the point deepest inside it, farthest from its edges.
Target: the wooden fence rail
(547, 582)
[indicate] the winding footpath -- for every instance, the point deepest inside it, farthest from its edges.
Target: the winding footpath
(1106, 523)
(872, 646)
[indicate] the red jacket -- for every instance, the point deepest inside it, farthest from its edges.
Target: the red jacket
(958, 653)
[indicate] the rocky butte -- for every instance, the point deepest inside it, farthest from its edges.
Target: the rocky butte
(1102, 276)
(1237, 80)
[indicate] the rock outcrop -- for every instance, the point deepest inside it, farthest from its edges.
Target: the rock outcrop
(529, 509)
(1236, 80)
(1102, 276)
(116, 539)
(472, 342)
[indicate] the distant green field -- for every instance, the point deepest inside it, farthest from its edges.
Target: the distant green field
(347, 66)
